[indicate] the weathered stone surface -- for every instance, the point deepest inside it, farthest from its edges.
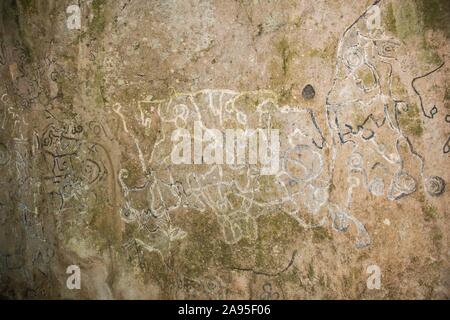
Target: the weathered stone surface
(102, 107)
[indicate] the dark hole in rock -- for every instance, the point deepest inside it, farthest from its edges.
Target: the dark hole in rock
(308, 92)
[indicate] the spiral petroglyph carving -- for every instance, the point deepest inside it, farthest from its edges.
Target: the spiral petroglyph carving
(435, 186)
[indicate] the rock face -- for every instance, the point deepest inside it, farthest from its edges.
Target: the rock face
(175, 150)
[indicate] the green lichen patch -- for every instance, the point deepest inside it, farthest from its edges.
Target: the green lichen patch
(389, 19)
(436, 237)
(29, 6)
(98, 22)
(281, 71)
(407, 19)
(201, 248)
(447, 93)
(436, 15)
(429, 212)
(286, 53)
(410, 20)
(410, 121)
(366, 76)
(398, 88)
(277, 233)
(321, 234)
(328, 53)
(428, 54)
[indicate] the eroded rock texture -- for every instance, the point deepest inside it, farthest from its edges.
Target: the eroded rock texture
(96, 96)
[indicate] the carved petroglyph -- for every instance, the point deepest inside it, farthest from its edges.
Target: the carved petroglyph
(363, 110)
(237, 194)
